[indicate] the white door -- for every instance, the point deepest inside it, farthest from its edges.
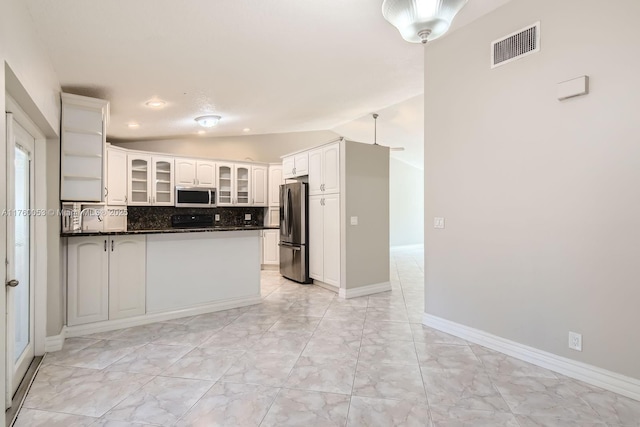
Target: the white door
(20, 273)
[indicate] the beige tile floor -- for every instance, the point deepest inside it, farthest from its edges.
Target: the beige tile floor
(306, 358)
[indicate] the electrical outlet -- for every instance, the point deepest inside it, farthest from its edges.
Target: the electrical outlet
(354, 220)
(575, 341)
(247, 217)
(217, 217)
(438, 222)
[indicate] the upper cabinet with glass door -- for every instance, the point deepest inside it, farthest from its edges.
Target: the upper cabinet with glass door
(82, 148)
(162, 184)
(226, 184)
(150, 180)
(243, 185)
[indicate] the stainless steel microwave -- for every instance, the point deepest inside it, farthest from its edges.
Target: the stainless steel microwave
(195, 197)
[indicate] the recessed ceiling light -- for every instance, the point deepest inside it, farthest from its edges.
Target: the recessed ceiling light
(202, 132)
(133, 125)
(155, 103)
(208, 121)
(246, 130)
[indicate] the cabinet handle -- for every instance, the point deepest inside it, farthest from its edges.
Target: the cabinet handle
(293, 171)
(105, 246)
(112, 246)
(106, 192)
(126, 199)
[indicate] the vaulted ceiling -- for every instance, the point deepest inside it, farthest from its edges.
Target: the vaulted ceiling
(270, 66)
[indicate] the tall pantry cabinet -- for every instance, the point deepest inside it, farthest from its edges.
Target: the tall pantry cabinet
(349, 217)
(324, 214)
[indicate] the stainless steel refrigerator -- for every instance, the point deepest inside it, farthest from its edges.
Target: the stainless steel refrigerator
(294, 258)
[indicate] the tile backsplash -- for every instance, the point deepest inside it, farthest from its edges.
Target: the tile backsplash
(159, 217)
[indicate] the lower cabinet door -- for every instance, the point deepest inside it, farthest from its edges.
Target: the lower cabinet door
(270, 250)
(87, 280)
(127, 276)
(315, 245)
(331, 244)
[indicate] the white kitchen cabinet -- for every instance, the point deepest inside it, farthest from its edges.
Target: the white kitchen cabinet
(270, 249)
(139, 179)
(87, 280)
(82, 148)
(324, 238)
(185, 172)
(226, 183)
(116, 188)
(205, 174)
(106, 278)
(243, 185)
(195, 173)
(259, 185)
(127, 276)
(150, 180)
(162, 181)
(234, 184)
(275, 180)
(324, 169)
(295, 165)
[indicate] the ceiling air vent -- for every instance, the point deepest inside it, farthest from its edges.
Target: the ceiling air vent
(516, 45)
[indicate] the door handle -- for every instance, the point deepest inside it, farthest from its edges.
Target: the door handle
(112, 246)
(12, 283)
(105, 246)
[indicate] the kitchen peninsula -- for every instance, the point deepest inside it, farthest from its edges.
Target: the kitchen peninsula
(127, 278)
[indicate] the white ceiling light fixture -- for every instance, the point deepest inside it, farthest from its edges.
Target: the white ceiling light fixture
(208, 121)
(133, 125)
(155, 103)
(420, 21)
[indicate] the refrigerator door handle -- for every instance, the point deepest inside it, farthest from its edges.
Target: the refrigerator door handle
(289, 246)
(289, 213)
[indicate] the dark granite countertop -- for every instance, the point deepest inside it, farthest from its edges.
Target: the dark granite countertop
(170, 230)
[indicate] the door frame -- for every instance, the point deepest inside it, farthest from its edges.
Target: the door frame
(40, 222)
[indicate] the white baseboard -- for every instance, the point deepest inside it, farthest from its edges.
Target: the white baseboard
(608, 380)
(270, 267)
(55, 343)
(111, 325)
(364, 290)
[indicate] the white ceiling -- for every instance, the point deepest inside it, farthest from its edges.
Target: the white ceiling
(269, 65)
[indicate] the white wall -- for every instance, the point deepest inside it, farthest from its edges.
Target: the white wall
(406, 203)
(258, 148)
(540, 196)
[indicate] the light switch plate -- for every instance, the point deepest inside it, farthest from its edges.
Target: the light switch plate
(438, 222)
(354, 220)
(247, 217)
